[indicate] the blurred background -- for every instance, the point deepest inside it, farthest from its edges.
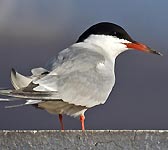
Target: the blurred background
(33, 31)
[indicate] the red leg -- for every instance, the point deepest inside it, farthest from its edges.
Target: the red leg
(82, 119)
(61, 122)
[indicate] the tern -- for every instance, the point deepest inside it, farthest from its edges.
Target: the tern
(80, 77)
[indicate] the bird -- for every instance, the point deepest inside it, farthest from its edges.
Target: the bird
(79, 77)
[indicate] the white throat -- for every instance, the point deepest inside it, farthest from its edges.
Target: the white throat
(110, 46)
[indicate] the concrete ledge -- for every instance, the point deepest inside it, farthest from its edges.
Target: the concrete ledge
(97, 139)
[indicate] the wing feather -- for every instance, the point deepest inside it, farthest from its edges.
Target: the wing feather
(76, 77)
(35, 95)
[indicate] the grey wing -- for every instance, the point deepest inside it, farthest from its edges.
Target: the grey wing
(76, 78)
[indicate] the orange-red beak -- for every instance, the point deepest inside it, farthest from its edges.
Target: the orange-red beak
(141, 47)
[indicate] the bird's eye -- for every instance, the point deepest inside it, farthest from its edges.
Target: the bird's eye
(117, 34)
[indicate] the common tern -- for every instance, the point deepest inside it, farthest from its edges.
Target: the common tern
(80, 77)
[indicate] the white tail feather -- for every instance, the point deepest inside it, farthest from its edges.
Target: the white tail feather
(4, 99)
(28, 102)
(18, 80)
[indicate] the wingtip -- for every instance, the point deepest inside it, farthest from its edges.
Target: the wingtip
(5, 92)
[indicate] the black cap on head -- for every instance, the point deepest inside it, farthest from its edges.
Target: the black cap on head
(105, 28)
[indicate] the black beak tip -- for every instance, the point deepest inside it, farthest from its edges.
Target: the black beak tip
(157, 53)
(154, 51)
